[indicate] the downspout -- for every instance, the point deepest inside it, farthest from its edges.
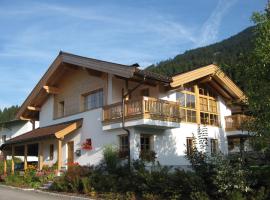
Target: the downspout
(123, 115)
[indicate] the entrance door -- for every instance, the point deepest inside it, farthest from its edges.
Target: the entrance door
(70, 152)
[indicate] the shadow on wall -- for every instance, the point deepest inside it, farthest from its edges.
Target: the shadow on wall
(168, 153)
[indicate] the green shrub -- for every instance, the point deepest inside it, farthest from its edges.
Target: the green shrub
(111, 158)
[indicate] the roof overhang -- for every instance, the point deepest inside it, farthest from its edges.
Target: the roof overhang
(57, 131)
(216, 78)
(31, 106)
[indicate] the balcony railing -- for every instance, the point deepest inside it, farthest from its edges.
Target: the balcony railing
(237, 122)
(143, 108)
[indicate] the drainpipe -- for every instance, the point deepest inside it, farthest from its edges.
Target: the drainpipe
(123, 115)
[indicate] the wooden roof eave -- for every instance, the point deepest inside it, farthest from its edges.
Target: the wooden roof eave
(216, 73)
(113, 68)
(39, 86)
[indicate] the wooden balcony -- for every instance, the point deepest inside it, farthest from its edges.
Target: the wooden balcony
(142, 108)
(237, 122)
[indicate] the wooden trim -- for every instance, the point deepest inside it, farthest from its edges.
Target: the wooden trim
(67, 130)
(197, 103)
(24, 118)
(25, 156)
(210, 70)
(12, 159)
(51, 90)
(40, 156)
(59, 154)
(33, 108)
(40, 85)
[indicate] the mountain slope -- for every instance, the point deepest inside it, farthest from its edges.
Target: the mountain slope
(227, 54)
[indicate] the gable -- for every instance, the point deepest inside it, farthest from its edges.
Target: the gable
(215, 77)
(60, 66)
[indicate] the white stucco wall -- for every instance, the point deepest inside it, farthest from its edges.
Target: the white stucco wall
(15, 130)
(91, 128)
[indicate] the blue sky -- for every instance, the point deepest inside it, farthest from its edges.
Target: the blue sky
(123, 31)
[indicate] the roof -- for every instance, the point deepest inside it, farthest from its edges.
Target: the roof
(152, 75)
(54, 131)
(54, 70)
(218, 79)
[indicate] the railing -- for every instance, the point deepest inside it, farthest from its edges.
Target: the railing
(237, 122)
(145, 107)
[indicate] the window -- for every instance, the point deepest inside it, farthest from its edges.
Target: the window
(208, 106)
(204, 118)
(123, 146)
(145, 143)
(191, 116)
(145, 92)
(214, 146)
(190, 146)
(212, 105)
(93, 100)
(187, 102)
(51, 151)
(61, 108)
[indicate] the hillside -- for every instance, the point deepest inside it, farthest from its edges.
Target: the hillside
(227, 54)
(8, 114)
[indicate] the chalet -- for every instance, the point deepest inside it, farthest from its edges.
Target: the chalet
(84, 104)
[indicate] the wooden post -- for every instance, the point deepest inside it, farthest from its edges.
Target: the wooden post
(5, 164)
(40, 156)
(12, 159)
(59, 154)
(197, 96)
(25, 156)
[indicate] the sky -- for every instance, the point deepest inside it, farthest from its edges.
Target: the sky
(122, 31)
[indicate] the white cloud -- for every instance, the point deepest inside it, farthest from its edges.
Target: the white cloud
(210, 29)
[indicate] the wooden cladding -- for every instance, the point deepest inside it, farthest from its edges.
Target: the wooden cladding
(143, 108)
(237, 122)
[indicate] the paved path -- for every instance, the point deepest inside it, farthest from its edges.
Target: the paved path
(7, 193)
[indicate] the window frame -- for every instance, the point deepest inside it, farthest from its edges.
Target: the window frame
(122, 146)
(214, 146)
(143, 146)
(185, 108)
(209, 96)
(190, 145)
(85, 103)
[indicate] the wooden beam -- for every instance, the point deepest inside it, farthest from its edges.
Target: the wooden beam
(67, 130)
(25, 156)
(197, 105)
(25, 118)
(51, 90)
(40, 156)
(12, 159)
(33, 108)
(206, 79)
(220, 90)
(59, 155)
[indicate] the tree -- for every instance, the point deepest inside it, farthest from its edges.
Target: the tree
(256, 74)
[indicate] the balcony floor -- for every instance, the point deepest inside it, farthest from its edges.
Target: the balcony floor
(143, 123)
